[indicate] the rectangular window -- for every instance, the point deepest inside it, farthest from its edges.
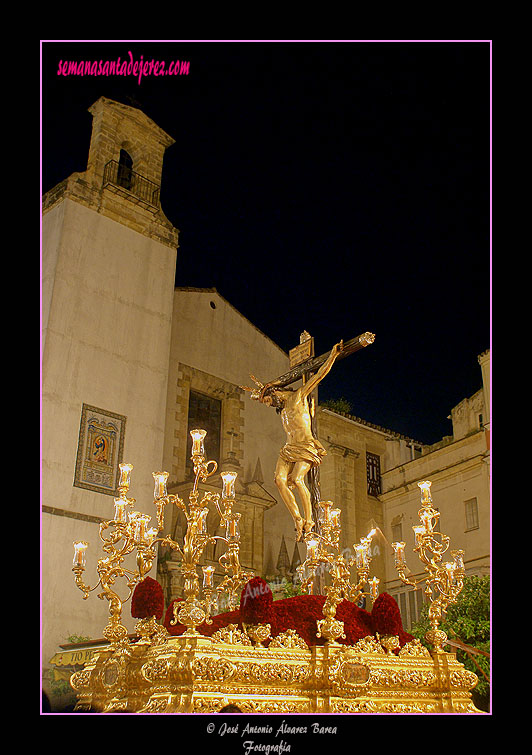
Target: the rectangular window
(204, 413)
(410, 604)
(373, 467)
(397, 533)
(402, 607)
(471, 514)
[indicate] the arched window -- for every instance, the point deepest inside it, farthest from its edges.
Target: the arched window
(125, 170)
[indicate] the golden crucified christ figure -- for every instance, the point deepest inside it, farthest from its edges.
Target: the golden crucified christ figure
(302, 450)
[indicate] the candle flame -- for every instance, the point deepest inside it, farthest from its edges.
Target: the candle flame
(198, 434)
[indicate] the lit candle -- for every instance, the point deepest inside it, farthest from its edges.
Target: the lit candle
(202, 520)
(399, 549)
(133, 516)
(120, 507)
(419, 531)
(426, 519)
(80, 546)
(312, 547)
(335, 515)
(450, 570)
(325, 507)
(140, 527)
(208, 571)
(458, 560)
(359, 556)
(366, 545)
(232, 526)
(198, 449)
(160, 485)
(151, 535)
(125, 472)
(425, 491)
(228, 484)
(374, 587)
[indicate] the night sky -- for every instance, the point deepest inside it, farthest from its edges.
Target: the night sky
(334, 187)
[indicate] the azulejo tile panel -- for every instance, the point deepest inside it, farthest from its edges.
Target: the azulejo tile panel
(100, 448)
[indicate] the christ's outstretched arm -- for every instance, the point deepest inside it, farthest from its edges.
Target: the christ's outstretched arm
(312, 383)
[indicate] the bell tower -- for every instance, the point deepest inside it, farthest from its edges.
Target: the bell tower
(124, 169)
(108, 276)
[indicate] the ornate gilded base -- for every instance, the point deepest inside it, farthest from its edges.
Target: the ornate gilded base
(197, 674)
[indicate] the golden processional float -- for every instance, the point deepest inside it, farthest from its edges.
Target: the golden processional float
(242, 664)
(154, 672)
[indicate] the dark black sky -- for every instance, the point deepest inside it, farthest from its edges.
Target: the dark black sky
(335, 187)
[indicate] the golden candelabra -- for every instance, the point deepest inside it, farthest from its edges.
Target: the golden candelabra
(158, 673)
(447, 577)
(323, 550)
(126, 533)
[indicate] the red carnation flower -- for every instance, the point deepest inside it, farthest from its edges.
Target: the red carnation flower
(387, 618)
(358, 623)
(256, 602)
(301, 612)
(148, 599)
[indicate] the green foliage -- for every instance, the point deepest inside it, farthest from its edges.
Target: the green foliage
(77, 638)
(467, 620)
(337, 405)
(288, 588)
(291, 589)
(60, 687)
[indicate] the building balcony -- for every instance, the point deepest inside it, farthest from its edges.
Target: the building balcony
(123, 181)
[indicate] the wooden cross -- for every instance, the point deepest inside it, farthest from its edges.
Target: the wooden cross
(312, 364)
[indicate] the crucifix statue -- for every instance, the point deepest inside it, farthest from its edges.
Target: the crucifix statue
(302, 452)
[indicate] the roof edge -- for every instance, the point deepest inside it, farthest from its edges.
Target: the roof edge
(198, 289)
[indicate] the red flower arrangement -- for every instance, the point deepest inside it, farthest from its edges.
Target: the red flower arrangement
(358, 623)
(256, 602)
(301, 613)
(147, 600)
(387, 618)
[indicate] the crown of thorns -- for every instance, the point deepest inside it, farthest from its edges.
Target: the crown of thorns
(256, 393)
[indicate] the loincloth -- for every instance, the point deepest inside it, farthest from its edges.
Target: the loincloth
(312, 452)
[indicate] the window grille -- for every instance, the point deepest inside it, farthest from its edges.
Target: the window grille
(373, 468)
